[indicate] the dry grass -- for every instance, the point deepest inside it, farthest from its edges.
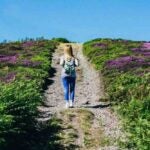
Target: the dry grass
(83, 125)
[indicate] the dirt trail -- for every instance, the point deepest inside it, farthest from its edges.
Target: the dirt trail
(89, 92)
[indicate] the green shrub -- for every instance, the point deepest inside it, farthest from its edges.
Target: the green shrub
(61, 40)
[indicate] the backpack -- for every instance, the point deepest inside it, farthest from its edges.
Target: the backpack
(69, 66)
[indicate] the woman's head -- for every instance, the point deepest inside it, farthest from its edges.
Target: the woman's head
(68, 51)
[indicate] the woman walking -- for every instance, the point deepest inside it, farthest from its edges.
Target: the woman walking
(68, 75)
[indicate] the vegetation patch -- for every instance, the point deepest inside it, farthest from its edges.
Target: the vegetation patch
(61, 40)
(125, 66)
(24, 66)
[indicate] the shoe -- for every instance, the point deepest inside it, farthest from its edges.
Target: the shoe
(71, 103)
(67, 104)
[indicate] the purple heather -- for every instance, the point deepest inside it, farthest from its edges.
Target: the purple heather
(28, 44)
(126, 61)
(100, 45)
(30, 63)
(9, 77)
(8, 59)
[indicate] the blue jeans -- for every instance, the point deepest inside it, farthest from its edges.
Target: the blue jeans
(69, 87)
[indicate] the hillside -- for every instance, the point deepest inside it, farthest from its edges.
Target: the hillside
(111, 103)
(125, 66)
(24, 67)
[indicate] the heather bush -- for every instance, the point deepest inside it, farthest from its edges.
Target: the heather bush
(23, 69)
(125, 66)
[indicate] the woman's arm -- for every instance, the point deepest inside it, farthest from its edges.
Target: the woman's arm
(76, 62)
(61, 61)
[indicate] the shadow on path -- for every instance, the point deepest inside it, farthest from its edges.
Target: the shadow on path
(96, 106)
(48, 81)
(52, 72)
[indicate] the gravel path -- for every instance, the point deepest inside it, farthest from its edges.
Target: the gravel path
(89, 92)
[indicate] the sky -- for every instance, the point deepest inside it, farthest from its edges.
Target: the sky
(76, 20)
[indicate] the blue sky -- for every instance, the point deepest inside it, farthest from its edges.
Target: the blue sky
(77, 20)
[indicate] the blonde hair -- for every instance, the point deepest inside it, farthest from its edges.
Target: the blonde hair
(68, 51)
